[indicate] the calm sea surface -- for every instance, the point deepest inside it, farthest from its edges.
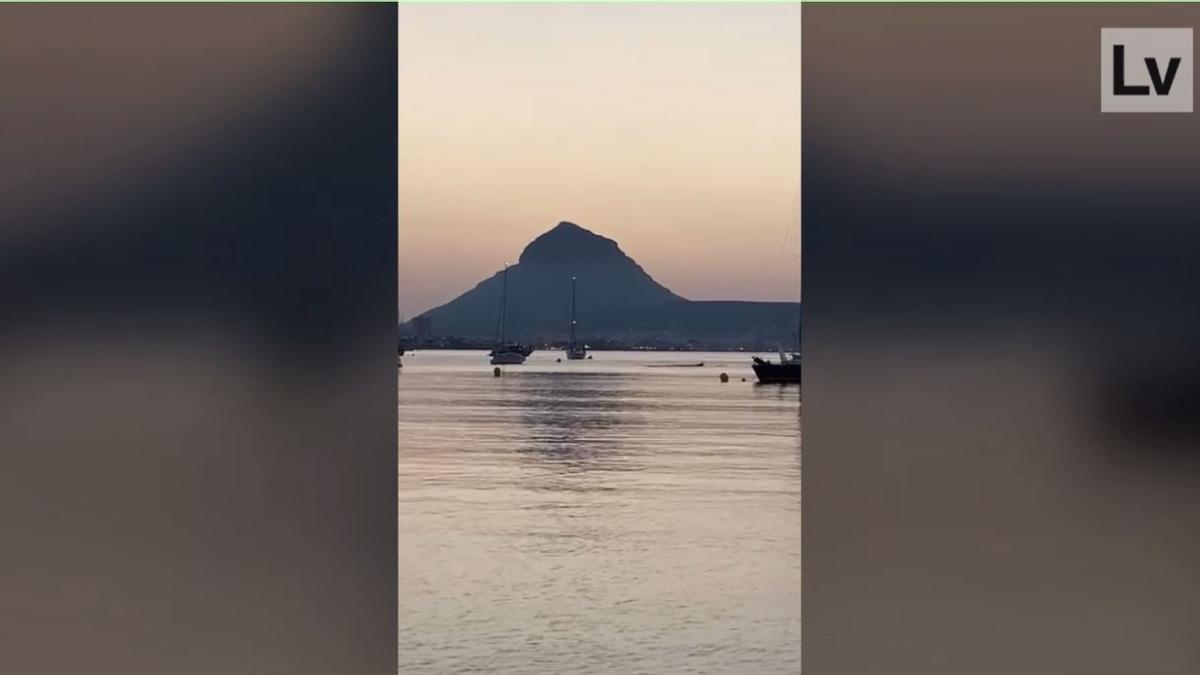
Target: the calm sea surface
(602, 516)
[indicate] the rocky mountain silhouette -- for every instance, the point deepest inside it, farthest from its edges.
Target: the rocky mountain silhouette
(617, 300)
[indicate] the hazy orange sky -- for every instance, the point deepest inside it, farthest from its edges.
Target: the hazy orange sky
(673, 129)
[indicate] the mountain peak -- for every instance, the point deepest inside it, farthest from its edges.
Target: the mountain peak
(568, 242)
(614, 298)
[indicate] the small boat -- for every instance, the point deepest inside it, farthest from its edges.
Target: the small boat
(575, 351)
(675, 365)
(785, 372)
(507, 353)
(507, 358)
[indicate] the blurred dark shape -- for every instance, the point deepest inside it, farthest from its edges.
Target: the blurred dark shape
(197, 370)
(242, 232)
(1155, 400)
(1000, 339)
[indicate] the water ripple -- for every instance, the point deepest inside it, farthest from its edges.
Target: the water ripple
(597, 516)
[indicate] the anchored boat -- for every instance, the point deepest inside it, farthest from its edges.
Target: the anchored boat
(787, 371)
(507, 353)
(575, 351)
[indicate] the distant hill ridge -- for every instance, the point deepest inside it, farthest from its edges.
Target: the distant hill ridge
(617, 299)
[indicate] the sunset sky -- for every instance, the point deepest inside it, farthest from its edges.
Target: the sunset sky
(673, 129)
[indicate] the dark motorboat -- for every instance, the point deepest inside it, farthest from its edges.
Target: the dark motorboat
(787, 371)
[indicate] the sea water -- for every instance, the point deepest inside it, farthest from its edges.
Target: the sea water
(629, 513)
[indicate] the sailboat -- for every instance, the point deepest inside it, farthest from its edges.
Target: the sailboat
(575, 351)
(505, 353)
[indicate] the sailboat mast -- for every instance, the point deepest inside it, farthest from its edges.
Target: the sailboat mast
(504, 310)
(572, 312)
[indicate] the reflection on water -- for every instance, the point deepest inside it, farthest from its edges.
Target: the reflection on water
(597, 516)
